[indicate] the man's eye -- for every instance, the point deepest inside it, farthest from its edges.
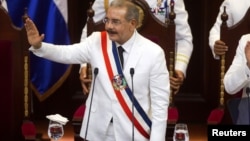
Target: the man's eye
(115, 21)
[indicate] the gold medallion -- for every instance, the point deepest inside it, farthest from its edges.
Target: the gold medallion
(119, 82)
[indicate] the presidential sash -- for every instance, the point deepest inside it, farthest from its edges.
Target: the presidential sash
(121, 89)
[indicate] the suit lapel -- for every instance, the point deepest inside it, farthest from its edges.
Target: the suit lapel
(135, 54)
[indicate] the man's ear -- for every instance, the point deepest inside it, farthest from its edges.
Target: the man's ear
(134, 23)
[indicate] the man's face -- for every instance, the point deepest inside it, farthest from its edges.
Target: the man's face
(118, 28)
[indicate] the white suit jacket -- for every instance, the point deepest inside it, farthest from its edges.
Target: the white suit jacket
(151, 86)
(236, 9)
(237, 76)
(184, 38)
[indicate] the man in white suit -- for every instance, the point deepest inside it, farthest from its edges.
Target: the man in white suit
(116, 108)
(235, 9)
(161, 9)
(237, 77)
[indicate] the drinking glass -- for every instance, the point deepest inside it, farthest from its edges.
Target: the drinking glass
(55, 130)
(181, 132)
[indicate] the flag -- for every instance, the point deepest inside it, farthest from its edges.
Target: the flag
(51, 18)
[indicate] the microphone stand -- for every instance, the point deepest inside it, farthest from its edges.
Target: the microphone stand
(248, 92)
(95, 74)
(132, 71)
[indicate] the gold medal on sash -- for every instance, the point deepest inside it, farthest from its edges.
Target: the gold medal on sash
(119, 82)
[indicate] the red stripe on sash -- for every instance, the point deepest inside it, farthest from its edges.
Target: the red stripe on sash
(118, 93)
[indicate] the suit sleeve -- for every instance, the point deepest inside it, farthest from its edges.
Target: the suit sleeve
(237, 76)
(184, 38)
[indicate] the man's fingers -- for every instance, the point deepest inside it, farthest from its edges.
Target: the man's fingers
(175, 81)
(84, 88)
(84, 80)
(175, 84)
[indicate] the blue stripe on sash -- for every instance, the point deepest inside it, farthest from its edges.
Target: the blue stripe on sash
(128, 90)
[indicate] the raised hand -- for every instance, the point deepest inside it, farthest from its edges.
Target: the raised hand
(34, 38)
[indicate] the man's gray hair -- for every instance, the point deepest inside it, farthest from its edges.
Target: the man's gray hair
(132, 9)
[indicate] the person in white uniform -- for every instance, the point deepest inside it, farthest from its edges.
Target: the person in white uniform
(237, 78)
(184, 39)
(113, 109)
(236, 9)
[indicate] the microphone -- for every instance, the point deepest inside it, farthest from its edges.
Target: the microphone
(248, 92)
(95, 74)
(132, 71)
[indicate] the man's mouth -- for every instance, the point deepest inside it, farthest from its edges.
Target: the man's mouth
(111, 32)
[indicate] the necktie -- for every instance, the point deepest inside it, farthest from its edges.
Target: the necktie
(120, 51)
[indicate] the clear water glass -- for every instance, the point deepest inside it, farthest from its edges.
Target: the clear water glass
(181, 132)
(55, 130)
